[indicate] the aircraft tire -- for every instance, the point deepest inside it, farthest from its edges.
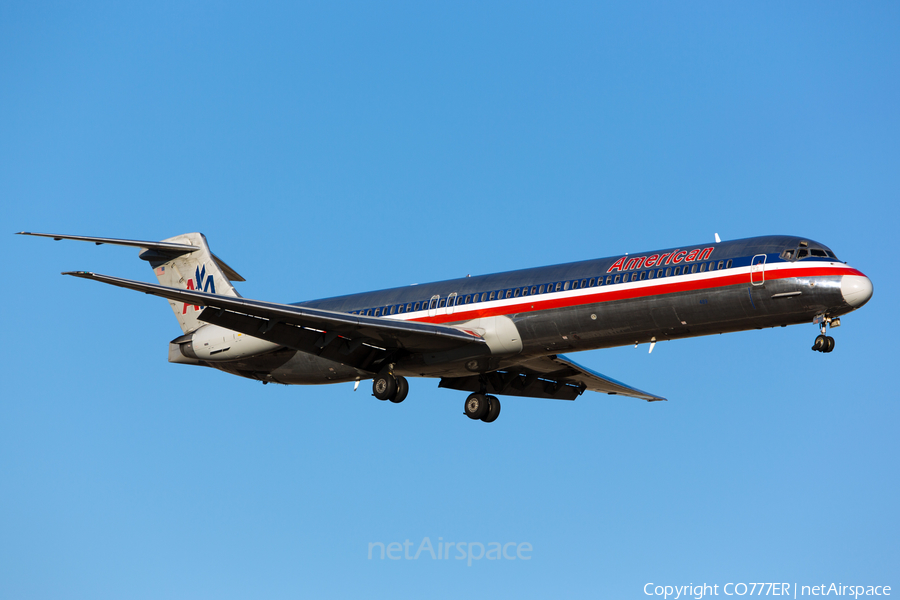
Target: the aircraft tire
(493, 410)
(384, 386)
(402, 390)
(829, 344)
(820, 343)
(476, 406)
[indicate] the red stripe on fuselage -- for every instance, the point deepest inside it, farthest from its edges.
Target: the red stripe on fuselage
(535, 304)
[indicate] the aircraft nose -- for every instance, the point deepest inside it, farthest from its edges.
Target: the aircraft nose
(856, 289)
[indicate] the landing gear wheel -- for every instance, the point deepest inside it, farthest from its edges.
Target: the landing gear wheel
(493, 410)
(402, 390)
(384, 386)
(476, 406)
(820, 343)
(829, 344)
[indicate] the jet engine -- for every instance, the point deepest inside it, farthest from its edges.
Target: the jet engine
(212, 343)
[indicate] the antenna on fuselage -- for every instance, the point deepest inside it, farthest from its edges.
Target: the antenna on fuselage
(717, 238)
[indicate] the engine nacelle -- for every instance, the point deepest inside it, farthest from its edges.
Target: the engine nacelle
(212, 343)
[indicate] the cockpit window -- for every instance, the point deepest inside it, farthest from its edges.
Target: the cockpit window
(804, 250)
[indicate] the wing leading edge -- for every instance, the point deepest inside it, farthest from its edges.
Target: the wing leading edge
(354, 340)
(364, 342)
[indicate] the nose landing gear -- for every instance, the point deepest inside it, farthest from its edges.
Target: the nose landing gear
(825, 343)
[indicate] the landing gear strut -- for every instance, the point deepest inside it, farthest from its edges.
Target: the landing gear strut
(482, 407)
(388, 387)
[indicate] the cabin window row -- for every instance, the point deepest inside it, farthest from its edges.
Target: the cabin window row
(546, 288)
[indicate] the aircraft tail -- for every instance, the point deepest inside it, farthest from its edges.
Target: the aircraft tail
(183, 262)
(197, 269)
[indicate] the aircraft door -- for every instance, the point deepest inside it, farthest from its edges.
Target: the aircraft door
(432, 306)
(451, 303)
(758, 269)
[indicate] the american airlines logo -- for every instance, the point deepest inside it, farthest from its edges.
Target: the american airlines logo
(205, 283)
(659, 260)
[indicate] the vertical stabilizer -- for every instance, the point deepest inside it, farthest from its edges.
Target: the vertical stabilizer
(195, 270)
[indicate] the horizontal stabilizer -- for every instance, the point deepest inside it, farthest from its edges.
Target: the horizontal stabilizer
(165, 247)
(160, 250)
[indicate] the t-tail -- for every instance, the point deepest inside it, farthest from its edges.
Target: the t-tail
(184, 261)
(197, 270)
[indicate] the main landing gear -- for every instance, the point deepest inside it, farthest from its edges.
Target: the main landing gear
(825, 343)
(483, 407)
(389, 387)
(478, 406)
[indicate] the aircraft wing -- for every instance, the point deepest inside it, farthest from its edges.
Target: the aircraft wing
(553, 376)
(356, 340)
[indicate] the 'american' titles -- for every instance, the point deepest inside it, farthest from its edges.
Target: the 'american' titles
(659, 260)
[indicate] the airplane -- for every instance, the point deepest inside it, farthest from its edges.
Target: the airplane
(498, 334)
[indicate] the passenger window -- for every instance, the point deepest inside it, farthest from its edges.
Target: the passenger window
(721, 265)
(651, 274)
(703, 267)
(693, 268)
(416, 307)
(516, 293)
(712, 266)
(524, 291)
(609, 279)
(575, 285)
(584, 282)
(677, 270)
(591, 282)
(643, 275)
(377, 312)
(534, 290)
(634, 276)
(493, 295)
(393, 310)
(558, 286)
(565, 286)
(616, 280)
(442, 303)
(728, 265)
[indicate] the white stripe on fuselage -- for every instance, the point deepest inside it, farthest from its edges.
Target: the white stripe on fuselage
(472, 307)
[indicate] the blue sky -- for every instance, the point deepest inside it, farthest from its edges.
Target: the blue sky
(326, 149)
